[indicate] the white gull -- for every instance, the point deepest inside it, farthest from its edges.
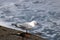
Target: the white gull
(27, 25)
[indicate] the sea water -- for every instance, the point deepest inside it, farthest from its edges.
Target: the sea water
(46, 12)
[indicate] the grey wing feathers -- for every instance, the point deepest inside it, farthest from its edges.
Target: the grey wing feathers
(24, 26)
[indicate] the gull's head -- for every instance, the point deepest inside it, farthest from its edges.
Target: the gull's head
(33, 23)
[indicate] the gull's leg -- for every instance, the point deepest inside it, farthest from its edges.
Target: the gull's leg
(31, 35)
(26, 31)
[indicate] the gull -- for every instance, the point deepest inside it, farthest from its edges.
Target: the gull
(27, 25)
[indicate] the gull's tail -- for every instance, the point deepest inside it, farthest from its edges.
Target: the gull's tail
(14, 25)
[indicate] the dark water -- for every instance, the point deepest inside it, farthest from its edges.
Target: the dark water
(46, 12)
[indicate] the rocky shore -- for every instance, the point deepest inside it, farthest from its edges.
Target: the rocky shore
(6, 34)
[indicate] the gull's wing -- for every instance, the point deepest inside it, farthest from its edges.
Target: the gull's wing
(23, 25)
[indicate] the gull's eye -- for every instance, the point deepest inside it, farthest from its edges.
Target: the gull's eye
(37, 23)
